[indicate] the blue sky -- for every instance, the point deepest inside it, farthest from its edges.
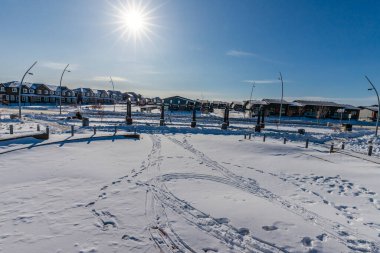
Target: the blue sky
(199, 48)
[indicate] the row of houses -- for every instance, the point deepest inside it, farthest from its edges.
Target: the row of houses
(297, 108)
(32, 93)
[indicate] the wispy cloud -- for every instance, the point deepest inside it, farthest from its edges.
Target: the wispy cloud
(107, 78)
(58, 65)
(239, 53)
(261, 81)
(246, 54)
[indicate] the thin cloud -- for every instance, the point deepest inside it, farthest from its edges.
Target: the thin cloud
(269, 81)
(261, 81)
(58, 65)
(107, 78)
(238, 53)
(246, 54)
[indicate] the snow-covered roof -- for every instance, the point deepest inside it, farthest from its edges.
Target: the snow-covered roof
(275, 101)
(371, 108)
(317, 103)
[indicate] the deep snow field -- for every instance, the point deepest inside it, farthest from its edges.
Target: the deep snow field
(184, 190)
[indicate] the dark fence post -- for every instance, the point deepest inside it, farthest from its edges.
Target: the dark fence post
(342, 145)
(162, 118)
(332, 148)
(370, 147)
(72, 130)
(285, 140)
(115, 129)
(264, 137)
(129, 113)
(250, 135)
(11, 129)
(47, 131)
(94, 130)
(38, 127)
(307, 143)
(194, 120)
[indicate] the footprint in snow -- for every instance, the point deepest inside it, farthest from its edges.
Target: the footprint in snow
(210, 250)
(243, 231)
(307, 241)
(269, 228)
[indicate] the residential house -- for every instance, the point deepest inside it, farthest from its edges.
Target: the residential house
(179, 103)
(317, 109)
(85, 96)
(273, 106)
(368, 113)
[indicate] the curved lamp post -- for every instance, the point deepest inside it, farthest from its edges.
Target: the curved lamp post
(19, 89)
(60, 89)
(282, 98)
(378, 104)
(113, 93)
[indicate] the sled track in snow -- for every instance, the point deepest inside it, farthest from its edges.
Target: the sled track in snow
(163, 234)
(334, 229)
(160, 229)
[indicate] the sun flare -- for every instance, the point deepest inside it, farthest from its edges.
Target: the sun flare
(134, 20)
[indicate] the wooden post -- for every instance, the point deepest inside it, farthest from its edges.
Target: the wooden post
(250, 135)
(264, 137)
(332, 148)
(72, 130)
(370, 147)
(285, 140)
(342, 145)
(38, 128)
(47, 131)
(94, 130)
(115, 129)
(11, 129)
(245, 136)
(307, 143)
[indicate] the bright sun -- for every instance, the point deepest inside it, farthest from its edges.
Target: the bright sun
(133, 20)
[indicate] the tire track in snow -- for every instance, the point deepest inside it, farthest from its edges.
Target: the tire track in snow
(345, 235)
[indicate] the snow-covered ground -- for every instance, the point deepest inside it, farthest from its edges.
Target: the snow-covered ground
(179, 189)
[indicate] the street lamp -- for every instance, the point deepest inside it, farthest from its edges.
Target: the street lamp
(19, 89)
(113, 93)
(60, 89)
(378, 104)
(282, 98)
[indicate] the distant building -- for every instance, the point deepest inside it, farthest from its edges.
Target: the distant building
(368, 113)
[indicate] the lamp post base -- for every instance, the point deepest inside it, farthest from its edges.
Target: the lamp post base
(162, 122)
(224, 126)
(129, 121)
(193, 124)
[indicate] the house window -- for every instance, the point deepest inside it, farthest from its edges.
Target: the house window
(22, 98)
(24, 90)
(7, 97)
(52, 93)
(38, 99)
(39, 92)
(14, 89)
(2, 89)
(52, 100)
(46, 92)
(12, 98)
(46, 99)
(31, 91)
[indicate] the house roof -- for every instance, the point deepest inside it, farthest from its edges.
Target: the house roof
(317, 103)
(371, 108)
(275, 101)
(349, 107)
(179, 97)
